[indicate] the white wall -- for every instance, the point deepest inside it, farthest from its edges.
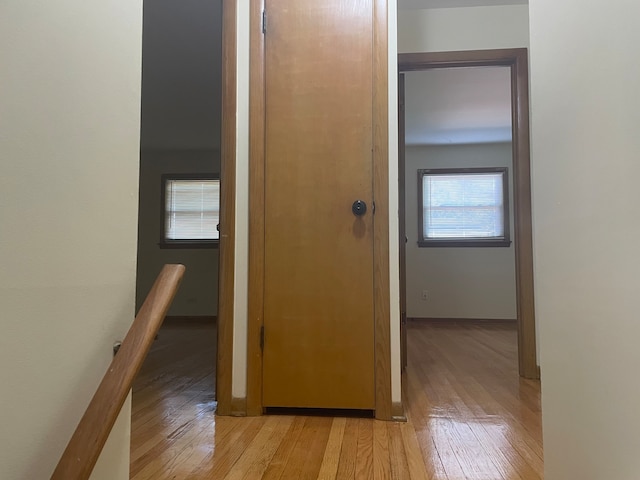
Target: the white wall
(464, 28)
(198, 294)
(69, 141)
(462, 282)
(585, 117)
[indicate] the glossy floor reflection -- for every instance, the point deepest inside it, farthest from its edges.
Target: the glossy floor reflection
(474, 417)
(470, 417)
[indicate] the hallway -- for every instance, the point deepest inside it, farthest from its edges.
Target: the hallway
(469, 416)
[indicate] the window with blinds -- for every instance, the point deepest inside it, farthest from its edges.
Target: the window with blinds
(463, 207)
(191, 210)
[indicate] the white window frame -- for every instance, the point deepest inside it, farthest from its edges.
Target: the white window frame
(498, 241)
(166, 242)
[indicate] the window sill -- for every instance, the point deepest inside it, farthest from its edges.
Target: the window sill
(464, 243)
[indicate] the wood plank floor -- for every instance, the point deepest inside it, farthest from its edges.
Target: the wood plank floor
(470, 417)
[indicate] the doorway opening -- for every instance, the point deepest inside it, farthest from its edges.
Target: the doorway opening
(505, 145)
(179, 216)
(466, 284)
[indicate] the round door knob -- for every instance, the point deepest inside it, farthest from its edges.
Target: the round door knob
(359, 208)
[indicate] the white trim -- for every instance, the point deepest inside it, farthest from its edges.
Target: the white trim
(241, 261)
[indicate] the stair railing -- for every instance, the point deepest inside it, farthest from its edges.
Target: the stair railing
(86, 444)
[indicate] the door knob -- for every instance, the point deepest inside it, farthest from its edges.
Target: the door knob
(359, 208)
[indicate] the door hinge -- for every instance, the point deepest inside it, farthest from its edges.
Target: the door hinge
(262, 338)
(264, 21)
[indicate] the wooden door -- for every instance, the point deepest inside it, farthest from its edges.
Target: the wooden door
(318, 285)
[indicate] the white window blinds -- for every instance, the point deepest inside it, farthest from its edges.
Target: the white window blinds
(463, 206)
(192, 209)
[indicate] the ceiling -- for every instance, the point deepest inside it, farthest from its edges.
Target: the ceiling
(445, 106)
(416, 4)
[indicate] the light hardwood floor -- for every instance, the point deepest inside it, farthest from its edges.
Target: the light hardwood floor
(470, 417)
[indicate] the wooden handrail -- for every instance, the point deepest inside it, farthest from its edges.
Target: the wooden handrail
(84, 448)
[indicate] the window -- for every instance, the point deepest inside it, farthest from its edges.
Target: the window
(463, 207)
(190, 211)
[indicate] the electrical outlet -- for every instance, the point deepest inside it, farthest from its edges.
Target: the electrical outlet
(425, 294)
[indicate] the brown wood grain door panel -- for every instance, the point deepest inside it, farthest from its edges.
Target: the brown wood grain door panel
(318, 265)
